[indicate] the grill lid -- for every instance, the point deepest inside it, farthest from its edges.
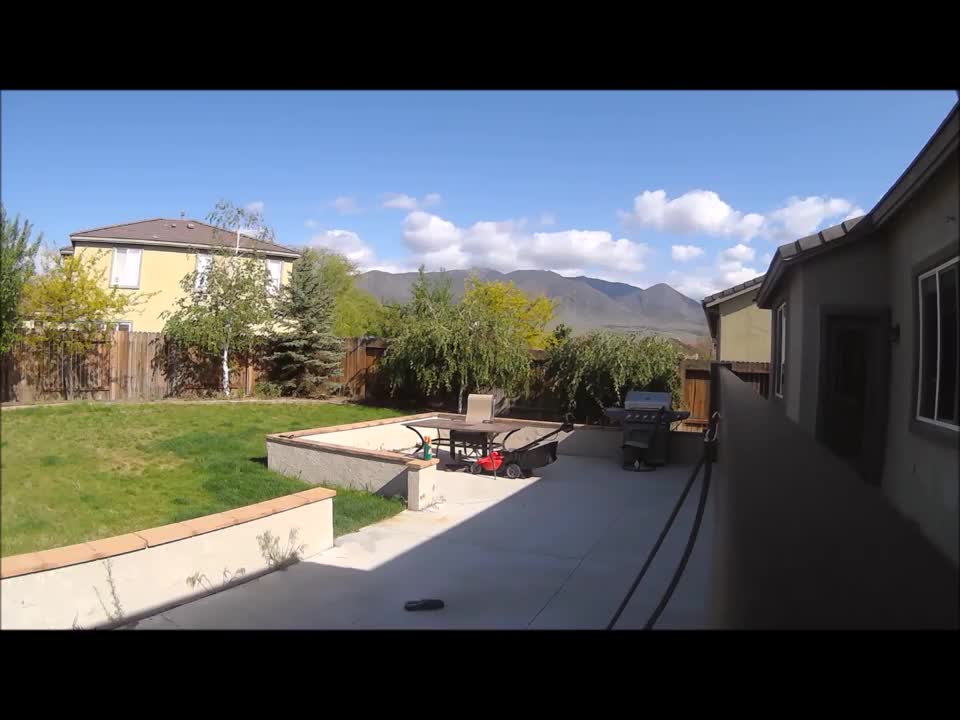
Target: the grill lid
(638, 400)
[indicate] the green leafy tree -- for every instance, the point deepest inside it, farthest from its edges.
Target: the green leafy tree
(72, 308)
(594, 371)
(17, 254)
(307, 352)
(436, 345)
(356, 312)
(225, 310)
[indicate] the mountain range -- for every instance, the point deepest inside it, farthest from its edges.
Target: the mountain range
(584, 303)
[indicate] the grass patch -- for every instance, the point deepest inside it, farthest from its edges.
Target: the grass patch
(354, 509)
(79, 472)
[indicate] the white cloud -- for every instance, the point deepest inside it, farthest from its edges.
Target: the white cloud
(802, 217)
(424, 232)
(548, 219)
(347, 243)
(704, 212)
(856, 212)
(255, 207)
(738, 253)
(735, 275)
(401, 201)
(345, 205)
(693, 286)
(767, 257)
(728, 269)
(683, 253)
(696, 211)
(506, 245)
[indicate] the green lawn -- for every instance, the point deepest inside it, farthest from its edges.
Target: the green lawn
(83, 471)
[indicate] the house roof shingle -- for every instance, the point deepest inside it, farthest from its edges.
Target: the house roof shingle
(190, 233)
(732, 290)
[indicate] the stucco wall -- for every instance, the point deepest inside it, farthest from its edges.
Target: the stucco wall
(920, 472)
(744, 330)
(161, 270)
(319, 466)
(801, 542)
(855, 276)
(796, 376)
(149, 580)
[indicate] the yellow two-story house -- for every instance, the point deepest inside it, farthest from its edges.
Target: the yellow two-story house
(153, 256)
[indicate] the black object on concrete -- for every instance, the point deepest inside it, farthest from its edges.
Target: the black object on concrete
(645, 419)
(426, 604)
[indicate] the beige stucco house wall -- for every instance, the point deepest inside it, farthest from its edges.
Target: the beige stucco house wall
(744, 330)
(740, 330)
(168, 250)
(161, 270)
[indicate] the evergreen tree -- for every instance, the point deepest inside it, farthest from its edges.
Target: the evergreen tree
(306, 352)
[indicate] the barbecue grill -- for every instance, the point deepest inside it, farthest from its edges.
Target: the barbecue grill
(645, 418)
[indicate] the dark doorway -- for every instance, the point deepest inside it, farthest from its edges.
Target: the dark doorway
(853, 389)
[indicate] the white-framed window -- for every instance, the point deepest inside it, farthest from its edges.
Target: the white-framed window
(203, 265)
(125, 268)
(780, 350)
(937, 386)
(123, 325)
(275, 268)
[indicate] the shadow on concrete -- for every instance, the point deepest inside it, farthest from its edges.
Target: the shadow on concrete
(558, 550)
(790, 539)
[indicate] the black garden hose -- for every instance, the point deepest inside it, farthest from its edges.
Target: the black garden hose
(709, 440)
(656, 545)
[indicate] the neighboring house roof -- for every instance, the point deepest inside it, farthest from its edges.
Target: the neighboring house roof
(730, 292)
(182, 232)
(711, 302)
(938, 148)
(68, 250)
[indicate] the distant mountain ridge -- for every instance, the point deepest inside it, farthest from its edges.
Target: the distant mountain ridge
(585, 303)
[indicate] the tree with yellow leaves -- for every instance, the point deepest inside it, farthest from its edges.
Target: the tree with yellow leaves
(505, 300)
(71, 308)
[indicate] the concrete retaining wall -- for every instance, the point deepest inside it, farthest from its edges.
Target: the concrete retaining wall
(117, 580)
(374, 456)
(320, 464)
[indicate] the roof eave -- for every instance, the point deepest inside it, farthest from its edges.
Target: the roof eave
(284, 252)
(779, 265)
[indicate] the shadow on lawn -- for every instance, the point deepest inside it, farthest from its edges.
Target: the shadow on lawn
(259, 460)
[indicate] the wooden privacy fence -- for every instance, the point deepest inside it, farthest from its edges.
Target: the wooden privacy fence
(126, 366)
(695, 379)
(138, 366)
(360, 355)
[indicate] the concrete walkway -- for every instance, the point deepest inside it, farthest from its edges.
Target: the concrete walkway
(559, 551)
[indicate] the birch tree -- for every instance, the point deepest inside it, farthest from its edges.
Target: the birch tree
(225, 309)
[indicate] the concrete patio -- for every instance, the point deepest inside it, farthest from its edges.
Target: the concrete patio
(548, 552)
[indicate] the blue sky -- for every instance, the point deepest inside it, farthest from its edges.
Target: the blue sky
(691, 188)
